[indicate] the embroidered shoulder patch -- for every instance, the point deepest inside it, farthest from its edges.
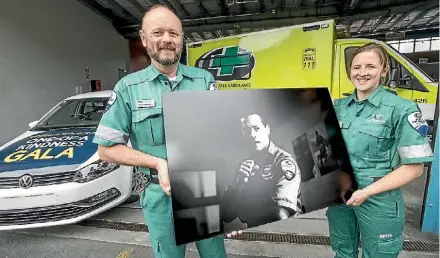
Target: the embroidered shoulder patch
(289, 169)
(418, 122)
(111, 100)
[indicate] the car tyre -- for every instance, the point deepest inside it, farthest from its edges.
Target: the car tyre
(133, 198)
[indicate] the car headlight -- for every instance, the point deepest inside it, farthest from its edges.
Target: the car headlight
(95, 170)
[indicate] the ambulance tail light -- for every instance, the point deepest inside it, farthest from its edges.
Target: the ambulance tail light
(93, 171)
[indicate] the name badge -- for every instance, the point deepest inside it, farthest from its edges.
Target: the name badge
(145, 103)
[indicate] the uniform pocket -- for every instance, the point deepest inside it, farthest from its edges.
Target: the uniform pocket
(374, 141)
(390, 248)
(148, 126)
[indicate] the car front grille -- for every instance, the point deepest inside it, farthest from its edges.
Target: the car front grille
(39, 180)
(56, 213)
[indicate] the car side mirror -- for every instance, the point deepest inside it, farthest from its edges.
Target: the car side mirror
(32, 124)
(406, 81)
(393, 84)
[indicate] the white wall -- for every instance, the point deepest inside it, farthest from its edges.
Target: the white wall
(45, 46)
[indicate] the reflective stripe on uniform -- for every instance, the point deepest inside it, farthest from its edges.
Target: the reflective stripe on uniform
(111, 134)
(415, 151)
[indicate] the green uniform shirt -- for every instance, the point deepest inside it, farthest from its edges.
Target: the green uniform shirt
(134, 110)
(383, 132)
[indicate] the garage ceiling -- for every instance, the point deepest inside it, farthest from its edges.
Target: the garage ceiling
(207, 19)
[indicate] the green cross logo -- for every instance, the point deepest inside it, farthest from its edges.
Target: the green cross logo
(229, 60)
(228, 63)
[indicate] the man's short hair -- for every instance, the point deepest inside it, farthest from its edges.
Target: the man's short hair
(262, 118)
(155, 6)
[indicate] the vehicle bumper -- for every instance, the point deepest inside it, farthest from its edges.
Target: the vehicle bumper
(62, 204)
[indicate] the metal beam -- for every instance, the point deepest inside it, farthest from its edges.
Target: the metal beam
(376, 11)
(362, 25)
(261, 6)
(433, 18)
(100, 10)
(295, 16)
(304, 3)
(397, 20)
(418, 16)
(409, 32)
(282, 6)
(353, 4)
(379, 22)
(201, 7)
(118, 9)
(177, 6)
(137, 5)
(225, 7)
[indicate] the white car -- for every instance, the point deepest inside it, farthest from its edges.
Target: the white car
(52, 175)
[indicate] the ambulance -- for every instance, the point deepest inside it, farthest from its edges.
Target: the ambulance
(307, 55)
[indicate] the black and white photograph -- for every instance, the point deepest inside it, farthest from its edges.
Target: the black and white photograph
(244, 158)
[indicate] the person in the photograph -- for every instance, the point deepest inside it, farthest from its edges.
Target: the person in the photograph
(135, 112)
(386, 138)
(267, 184)
(322, 147)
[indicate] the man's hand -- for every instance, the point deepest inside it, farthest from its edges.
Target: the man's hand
(164, 178)
(246, 169)
(234, 233)
(345, 185)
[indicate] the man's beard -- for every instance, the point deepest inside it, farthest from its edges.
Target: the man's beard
(155, 55)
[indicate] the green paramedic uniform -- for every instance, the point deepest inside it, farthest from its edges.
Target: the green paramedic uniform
(381, 133)
(135, 112)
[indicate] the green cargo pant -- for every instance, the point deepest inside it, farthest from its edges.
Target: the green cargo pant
(157, 209)
(379, 222)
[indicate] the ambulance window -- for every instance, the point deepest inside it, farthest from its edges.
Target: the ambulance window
(403, 78)
(400, 76)
(349, 51)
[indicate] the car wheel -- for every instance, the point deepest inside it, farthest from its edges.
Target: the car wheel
(132, 199)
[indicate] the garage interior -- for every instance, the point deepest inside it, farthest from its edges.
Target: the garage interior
(411, 27)
(51, 50)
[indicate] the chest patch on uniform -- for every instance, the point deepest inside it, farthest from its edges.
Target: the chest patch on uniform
(145, 103)
(378, 119)
(418, 122)
(267, 172)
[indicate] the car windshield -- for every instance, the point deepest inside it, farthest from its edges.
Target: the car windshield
(74, 113)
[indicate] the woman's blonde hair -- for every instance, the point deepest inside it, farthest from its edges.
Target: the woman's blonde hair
(383, 56)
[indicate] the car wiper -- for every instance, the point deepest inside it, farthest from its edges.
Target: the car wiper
(67, 127)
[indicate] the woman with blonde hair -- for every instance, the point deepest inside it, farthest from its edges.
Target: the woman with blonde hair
(386, 140)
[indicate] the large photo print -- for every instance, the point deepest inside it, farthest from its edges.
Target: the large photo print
(241, 159)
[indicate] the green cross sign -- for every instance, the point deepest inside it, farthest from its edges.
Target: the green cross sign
(229, 60)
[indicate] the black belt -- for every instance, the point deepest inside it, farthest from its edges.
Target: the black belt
(151, 179)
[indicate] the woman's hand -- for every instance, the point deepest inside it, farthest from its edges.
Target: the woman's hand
(358, 197)
(397, 178)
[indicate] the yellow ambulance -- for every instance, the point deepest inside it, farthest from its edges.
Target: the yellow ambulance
(307, 55)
